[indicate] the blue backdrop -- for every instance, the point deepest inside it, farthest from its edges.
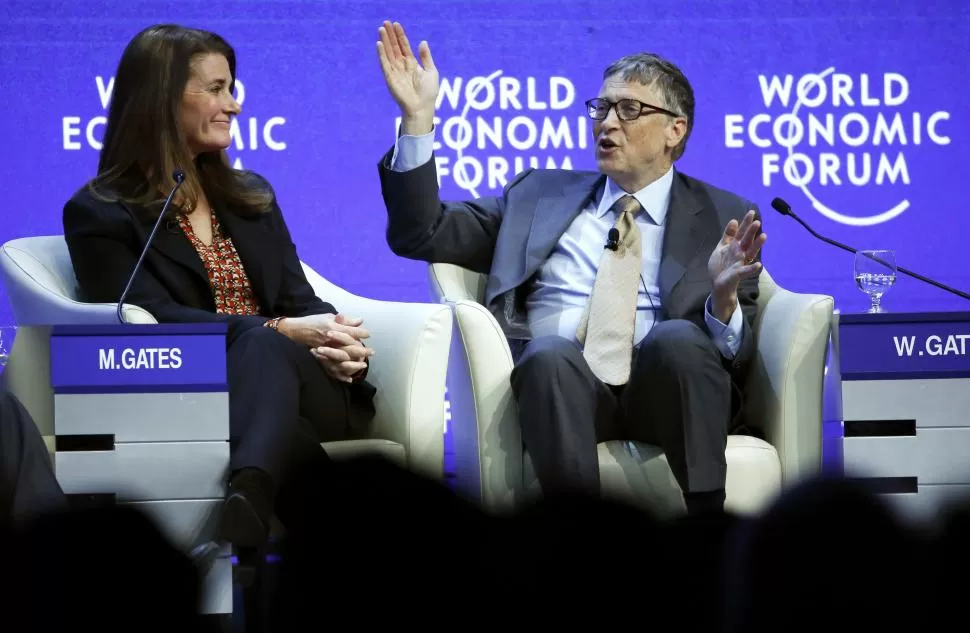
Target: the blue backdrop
(855, 111)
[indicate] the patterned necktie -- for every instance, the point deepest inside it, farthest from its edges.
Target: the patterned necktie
(607, 327)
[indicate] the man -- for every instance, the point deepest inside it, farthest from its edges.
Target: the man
(647, 338)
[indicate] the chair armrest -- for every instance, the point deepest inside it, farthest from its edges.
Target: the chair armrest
(484, 417)
(37, 305)
(485, 435)
(411, 341)
(77, 313)
(784, 392)
(40, 296)
(454, 283)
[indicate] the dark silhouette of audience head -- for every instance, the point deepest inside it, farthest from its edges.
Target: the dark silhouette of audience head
(106, 567)
(826, 554)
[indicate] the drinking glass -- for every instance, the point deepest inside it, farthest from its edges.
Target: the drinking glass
(875, 274)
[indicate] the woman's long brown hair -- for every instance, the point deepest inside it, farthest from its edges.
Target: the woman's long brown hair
(143, 143)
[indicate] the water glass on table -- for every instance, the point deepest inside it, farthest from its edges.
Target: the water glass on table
(875, 274)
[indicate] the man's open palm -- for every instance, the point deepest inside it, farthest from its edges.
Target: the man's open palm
(413, 85)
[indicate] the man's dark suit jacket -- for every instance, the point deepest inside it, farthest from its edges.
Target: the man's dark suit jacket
(106, 238)
(508, 238)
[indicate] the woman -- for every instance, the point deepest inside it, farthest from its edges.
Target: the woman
(295, 366)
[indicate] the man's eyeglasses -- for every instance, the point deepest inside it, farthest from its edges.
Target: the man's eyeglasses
(626, 109)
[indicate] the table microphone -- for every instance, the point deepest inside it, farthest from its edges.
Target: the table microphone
(784, 208)
(178, 176)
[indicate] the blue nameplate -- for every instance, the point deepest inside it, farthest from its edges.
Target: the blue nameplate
(138, 358)
(903, 346)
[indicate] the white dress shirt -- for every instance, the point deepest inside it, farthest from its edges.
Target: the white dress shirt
(565, 280)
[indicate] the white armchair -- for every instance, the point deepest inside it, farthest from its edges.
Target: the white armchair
(783, 398)
(409, 371)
